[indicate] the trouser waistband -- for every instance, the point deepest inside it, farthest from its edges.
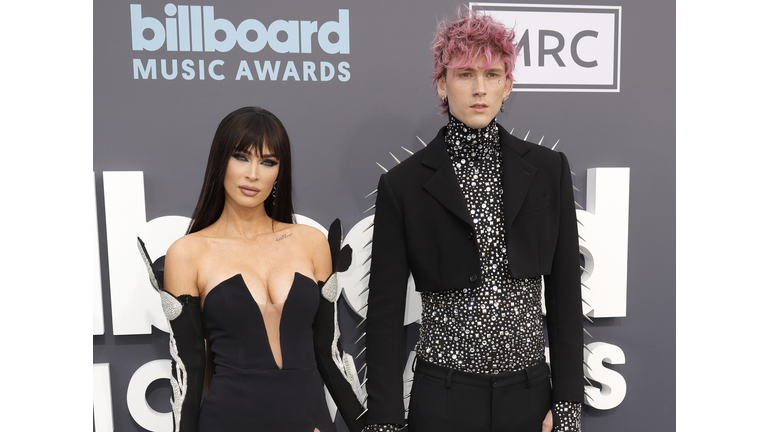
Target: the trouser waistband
(451, 376)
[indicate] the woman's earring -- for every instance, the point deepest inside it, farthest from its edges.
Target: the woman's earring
(274, 191)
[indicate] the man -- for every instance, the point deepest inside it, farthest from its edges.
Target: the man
(478, 217)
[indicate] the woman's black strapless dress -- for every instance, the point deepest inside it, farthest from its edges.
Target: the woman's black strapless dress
(249, 392)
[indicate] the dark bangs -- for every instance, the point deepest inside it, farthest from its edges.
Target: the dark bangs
(260, 132)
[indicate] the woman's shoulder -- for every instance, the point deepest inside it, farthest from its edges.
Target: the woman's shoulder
(315, 243)
(187, 248)
(182, 262)
(309, 235)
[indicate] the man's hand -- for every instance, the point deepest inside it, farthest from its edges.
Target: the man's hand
(546, 426)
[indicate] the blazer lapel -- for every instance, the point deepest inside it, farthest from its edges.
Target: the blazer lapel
(516, 175)
(443, 185)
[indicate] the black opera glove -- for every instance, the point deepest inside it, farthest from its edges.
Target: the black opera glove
(337, 367)
(187, 346)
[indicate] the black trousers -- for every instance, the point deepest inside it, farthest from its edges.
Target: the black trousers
(448, 400)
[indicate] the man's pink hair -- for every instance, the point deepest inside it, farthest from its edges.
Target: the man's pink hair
(459, 43)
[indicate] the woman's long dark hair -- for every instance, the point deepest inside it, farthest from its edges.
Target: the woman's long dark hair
(242, 130)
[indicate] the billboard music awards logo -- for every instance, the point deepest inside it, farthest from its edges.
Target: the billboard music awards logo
(196, 30)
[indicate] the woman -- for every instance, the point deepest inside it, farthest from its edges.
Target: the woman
(247, 277)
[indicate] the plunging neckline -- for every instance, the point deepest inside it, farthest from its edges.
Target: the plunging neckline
(272, 333)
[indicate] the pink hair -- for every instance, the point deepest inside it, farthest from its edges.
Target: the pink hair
(459, 43)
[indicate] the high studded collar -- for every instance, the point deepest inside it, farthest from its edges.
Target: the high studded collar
(464, 141)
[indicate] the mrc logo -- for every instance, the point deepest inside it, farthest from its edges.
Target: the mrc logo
(563, 48)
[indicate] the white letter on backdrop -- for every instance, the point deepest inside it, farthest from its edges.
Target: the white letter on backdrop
(604, 230)
(136, 396)
(135, 304)
(614, 387)
(102, 399)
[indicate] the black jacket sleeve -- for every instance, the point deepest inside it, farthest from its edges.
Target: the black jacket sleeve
(562, 294)
(386, 310)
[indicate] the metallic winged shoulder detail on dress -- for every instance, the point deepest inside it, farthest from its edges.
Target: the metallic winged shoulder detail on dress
(344, 362)
(171, 305)
(331, 289)
(172, 308)
(342, 258)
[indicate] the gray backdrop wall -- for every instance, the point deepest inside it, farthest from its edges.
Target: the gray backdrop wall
(377, 99)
